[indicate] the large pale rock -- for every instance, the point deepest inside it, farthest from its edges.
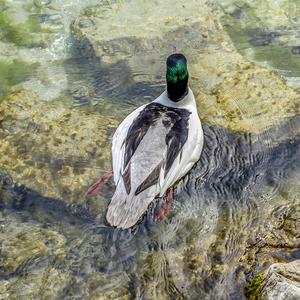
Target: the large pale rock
(280, 282)
(52, 149)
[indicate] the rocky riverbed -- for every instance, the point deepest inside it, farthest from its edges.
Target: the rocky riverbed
(52, 148)
(237, 213)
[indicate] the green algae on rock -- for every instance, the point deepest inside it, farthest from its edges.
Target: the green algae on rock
(231, 91)
(22, 34)
(38, 32)
(12, 73)
(252, 289)
(53, 149)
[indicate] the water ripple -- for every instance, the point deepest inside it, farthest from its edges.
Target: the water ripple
(198, 250)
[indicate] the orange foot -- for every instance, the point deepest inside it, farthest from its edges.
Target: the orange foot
(98, 186)
(163, 211)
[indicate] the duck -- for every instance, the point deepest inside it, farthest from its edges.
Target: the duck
(153, 148)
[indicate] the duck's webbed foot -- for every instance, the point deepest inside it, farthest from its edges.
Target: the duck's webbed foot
(163, 211)
(98, 186)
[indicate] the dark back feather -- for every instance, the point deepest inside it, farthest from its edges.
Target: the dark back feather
(176, 138)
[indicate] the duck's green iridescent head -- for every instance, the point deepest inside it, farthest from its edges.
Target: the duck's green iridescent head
(177, 77)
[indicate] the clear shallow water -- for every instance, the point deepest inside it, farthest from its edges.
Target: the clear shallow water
(235, 210)
(234, 201)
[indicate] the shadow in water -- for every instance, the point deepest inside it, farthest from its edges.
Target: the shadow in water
(237, 164)
(113, 84)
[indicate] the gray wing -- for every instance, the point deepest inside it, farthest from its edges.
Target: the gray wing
(135, 134)
(172, 126)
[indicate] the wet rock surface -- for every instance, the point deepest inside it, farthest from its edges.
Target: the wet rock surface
(55, 150)
(279, 281)
(251, 99)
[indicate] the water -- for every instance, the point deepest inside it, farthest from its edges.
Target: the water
(256, 36)
(235, 214)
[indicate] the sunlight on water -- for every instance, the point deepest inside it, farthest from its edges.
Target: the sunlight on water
(71, 71)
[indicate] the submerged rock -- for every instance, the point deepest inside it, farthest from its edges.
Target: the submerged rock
(19, 245)
(38, 32)
(231, 92)
(274, 13)
(29, 256)
(277, 239)
(13, 73)
(266, 32)
(251, 99)
(52, 149)
(279, 281)
(48, 252)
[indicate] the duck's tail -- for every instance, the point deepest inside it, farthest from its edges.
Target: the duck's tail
(124, 210)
